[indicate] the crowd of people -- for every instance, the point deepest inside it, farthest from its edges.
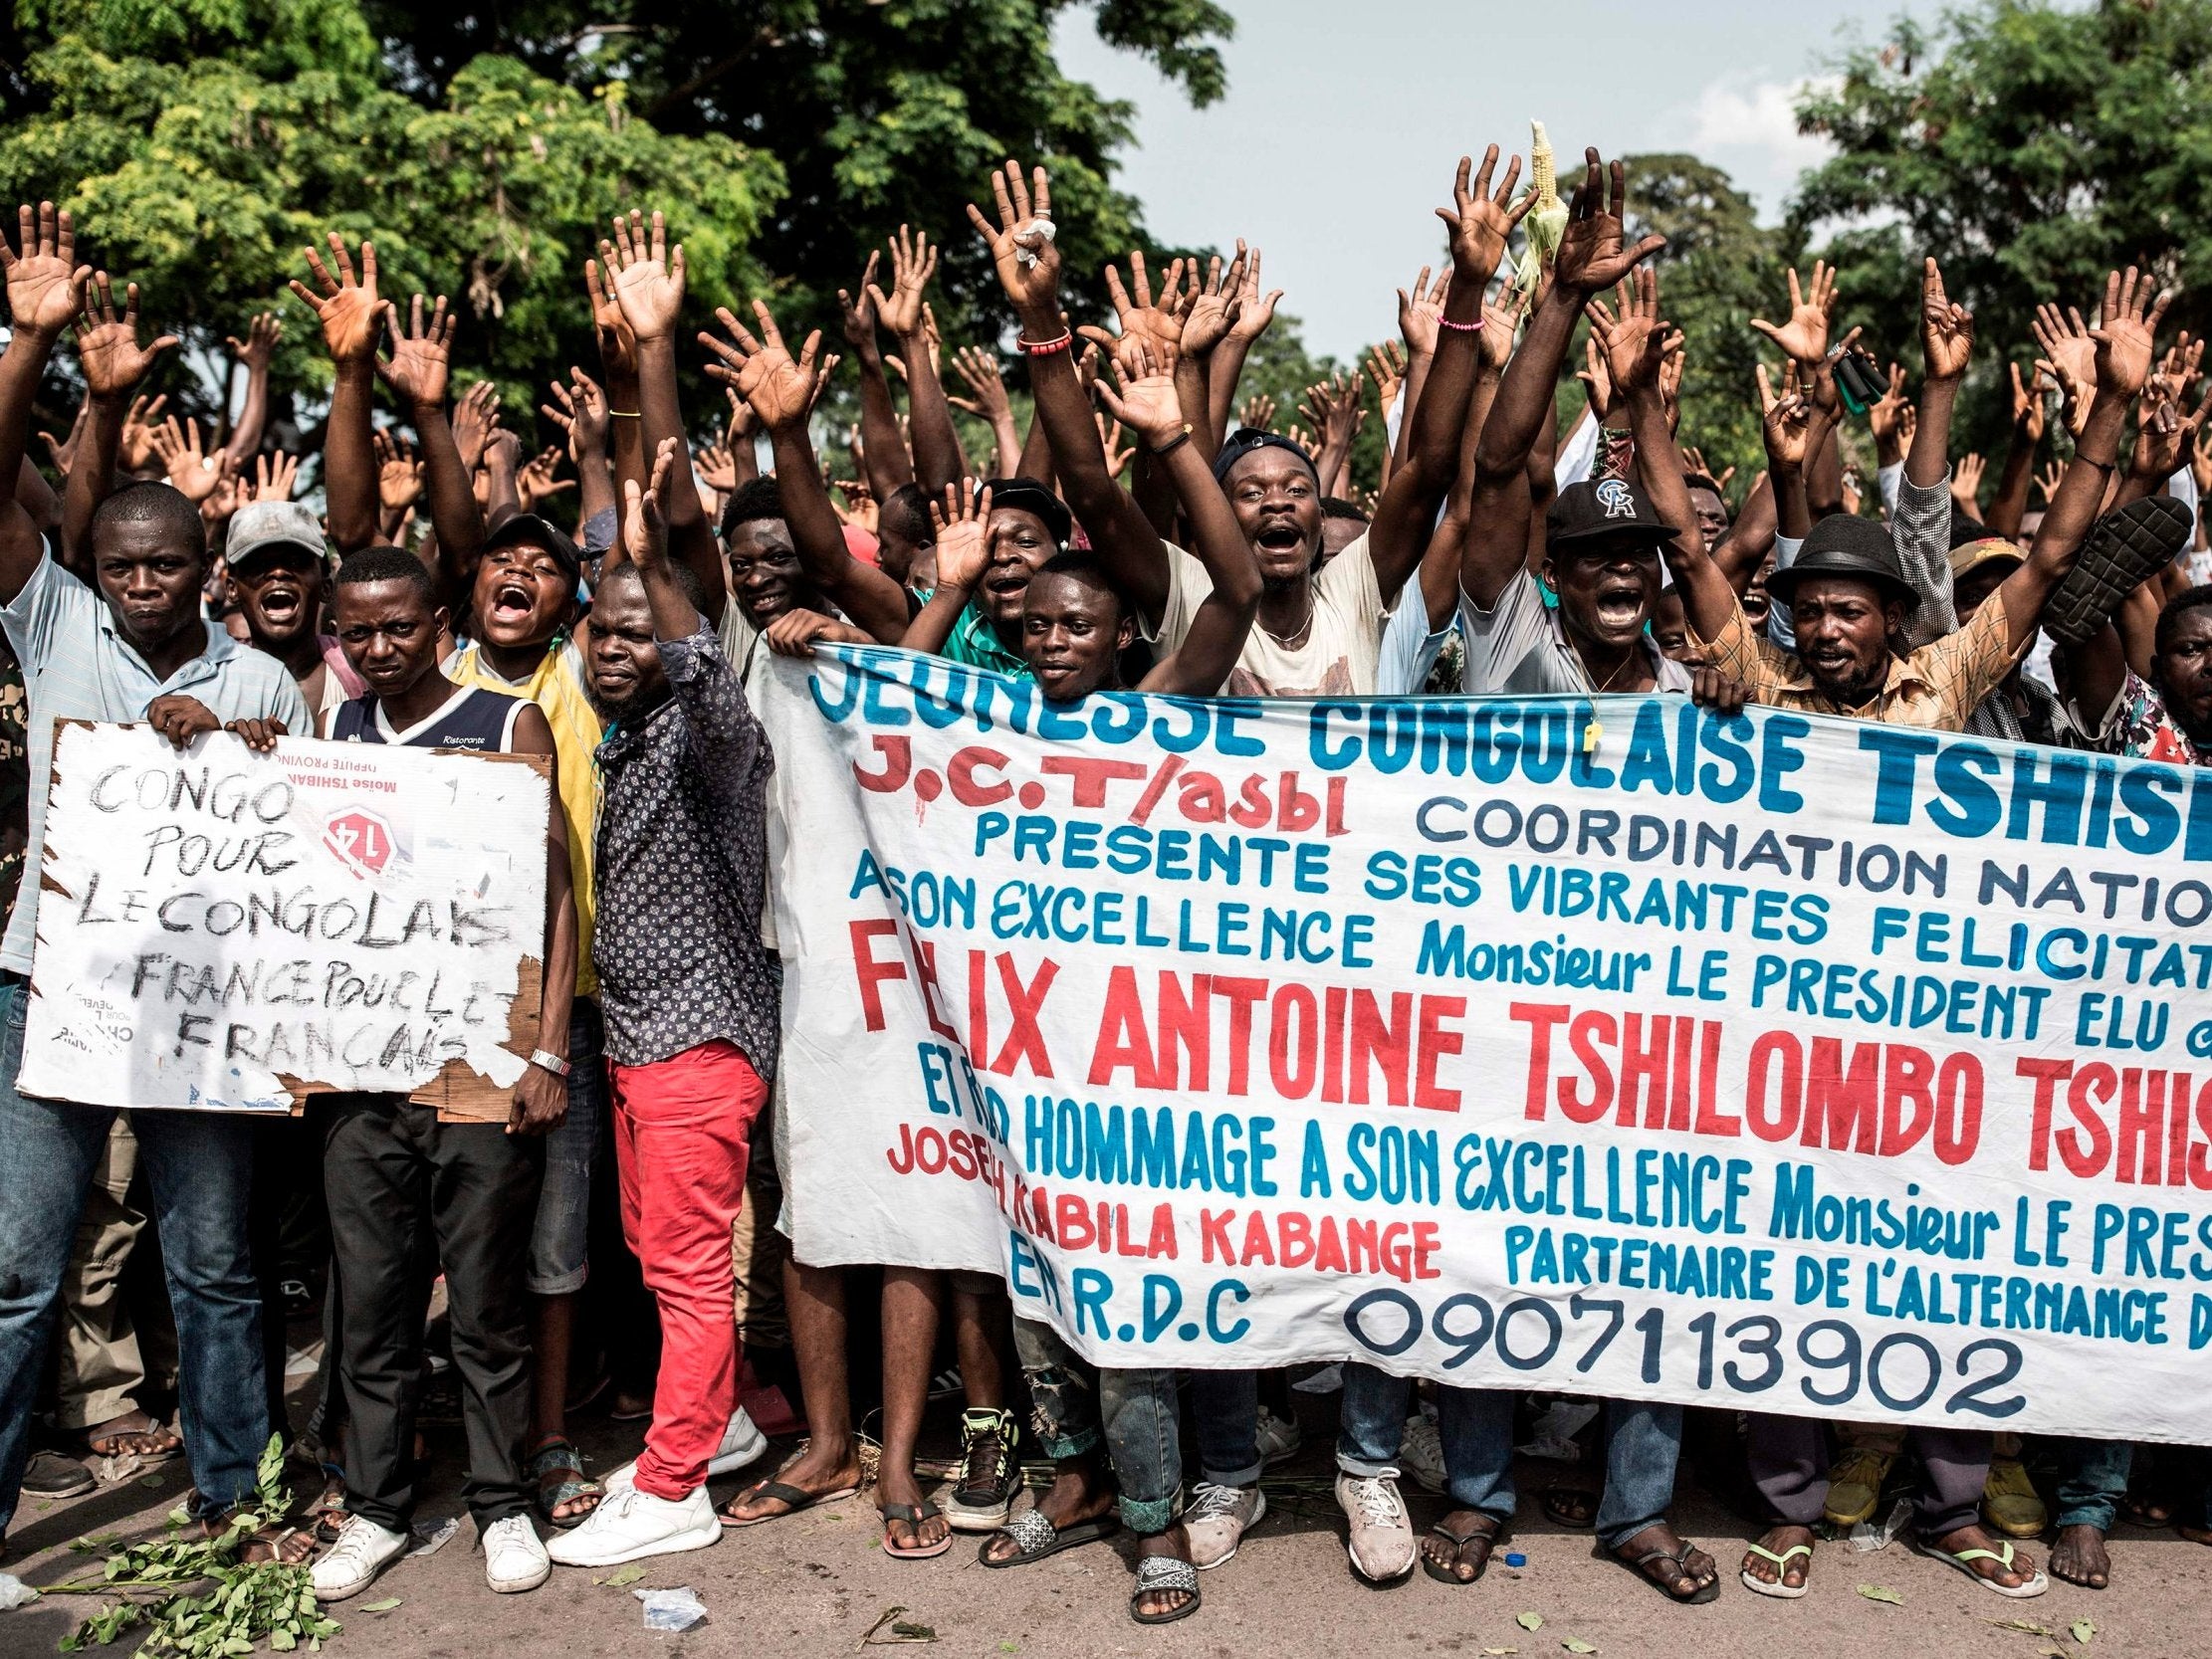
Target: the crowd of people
(618, 621)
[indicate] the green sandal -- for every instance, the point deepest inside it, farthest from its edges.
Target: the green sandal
(1964, 1560)
(1780, 1590)
(574, 1483)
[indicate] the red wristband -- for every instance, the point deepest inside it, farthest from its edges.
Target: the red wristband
(1045, 348)
(1475, 327)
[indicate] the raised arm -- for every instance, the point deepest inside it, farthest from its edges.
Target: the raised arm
(1254, 311)
(1417, 325)
(42, 283)
(962, 551)
(648, 281)
(254, 353)
(781, 392)
(1481, 225)
(619, 373)
(1947, 342)
(883, 444)
(347, 306)
(1150, 406)
(2123, 338)
(1591, 258)
(416, 374)
(541, 1095)
(2011, 503)
(936, 454)
(1029, 264)
(990, 404)
(113, 362)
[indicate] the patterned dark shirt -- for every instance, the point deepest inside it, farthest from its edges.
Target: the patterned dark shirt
(682, 855)
(15, 775)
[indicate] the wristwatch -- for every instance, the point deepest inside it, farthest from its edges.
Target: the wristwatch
(552, 1062)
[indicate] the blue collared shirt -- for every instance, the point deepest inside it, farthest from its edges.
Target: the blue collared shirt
(76, 666)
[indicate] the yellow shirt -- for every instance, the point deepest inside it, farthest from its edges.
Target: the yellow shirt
(1939, 686)
(556, 686)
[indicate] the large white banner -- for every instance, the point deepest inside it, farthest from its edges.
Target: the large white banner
(232, 932)
(1764, 1062)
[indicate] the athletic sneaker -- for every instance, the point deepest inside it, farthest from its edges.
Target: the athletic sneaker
(514, 1559)
(1381, 1542)
(990, 1474)
(1216, 1520)
(349, 1566)
(742, 1443)
(1279, 1438)
(629, 1525)
(1420, 1452)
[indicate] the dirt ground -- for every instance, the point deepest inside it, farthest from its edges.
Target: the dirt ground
(817, 1583)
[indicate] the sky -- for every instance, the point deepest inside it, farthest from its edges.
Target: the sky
(1343, 122)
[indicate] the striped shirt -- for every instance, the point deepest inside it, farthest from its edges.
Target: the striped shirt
(76, 666)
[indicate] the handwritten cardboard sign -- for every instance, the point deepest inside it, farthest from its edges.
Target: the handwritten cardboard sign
(231, 932)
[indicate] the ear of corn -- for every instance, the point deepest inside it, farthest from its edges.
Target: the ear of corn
(1547, 217)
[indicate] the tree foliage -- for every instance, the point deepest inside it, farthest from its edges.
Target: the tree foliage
(2030, 148)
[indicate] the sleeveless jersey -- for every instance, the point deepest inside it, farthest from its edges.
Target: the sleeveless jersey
(468, 720)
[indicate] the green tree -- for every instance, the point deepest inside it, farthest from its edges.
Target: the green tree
(2030, 148)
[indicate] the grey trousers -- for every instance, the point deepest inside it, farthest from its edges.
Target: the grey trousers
(1789, 1464)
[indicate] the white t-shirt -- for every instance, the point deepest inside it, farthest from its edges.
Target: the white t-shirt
(1517, 648)
(1338, 654)
(1410, 650)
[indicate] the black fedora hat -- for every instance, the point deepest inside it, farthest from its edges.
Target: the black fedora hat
(1843, 544)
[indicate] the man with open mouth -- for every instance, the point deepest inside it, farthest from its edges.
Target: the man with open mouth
(275, 566)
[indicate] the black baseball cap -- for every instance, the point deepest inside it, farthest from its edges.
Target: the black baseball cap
(1845, 544)
(1031, 497)
(1599, 508)
(529, 530)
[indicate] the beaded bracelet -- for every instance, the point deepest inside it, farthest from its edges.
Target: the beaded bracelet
(1045, 348)
(1475, 327)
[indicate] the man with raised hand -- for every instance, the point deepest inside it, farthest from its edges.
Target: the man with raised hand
(405, 1189)
(691, 1003)
(130, 645)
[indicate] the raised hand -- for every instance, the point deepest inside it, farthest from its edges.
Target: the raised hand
(420, 353)
(475, 419)
(1138, 317)
(2028, 415)
(645, 274)
(107, 347)
(580, 408)
(1592, 256)
(1785, 419)
(859, 316)
(1481, 223)
(781, 390)
(1254, 309)
(1946, 328)
(1804, 336)
(259, 343)
(1146, 402)
(346, 303)
(2067, 347)
(2049, 479)
(980, 368)
(1885, 415)
(617, 344)
(2200, 463)
(861, 507)
(536, 481)
(1630, 339)
(1022, 246)
(64, 450)
(962, 546)
(1501, 321)
(398, 472)
(274, 477)
(2126, 324)
(135, 452)
(1109, 440)
(44, 279)
(1417, 312)
(193, 471)
(1258, 412)
(644, 527)
(718, 468)
(1966, 484)
(1386, 367)
(1333, 406)
(912, 264)
(1213, 307)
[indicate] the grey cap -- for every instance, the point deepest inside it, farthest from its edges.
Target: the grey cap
(262, 526)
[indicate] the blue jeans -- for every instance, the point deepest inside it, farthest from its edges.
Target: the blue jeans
(560, 1261)
(1643, 1440)
(1144, 1434)
(2092, 1479)
(199, 1166)
(1475, 1426)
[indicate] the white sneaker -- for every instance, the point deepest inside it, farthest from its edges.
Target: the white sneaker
(1420, 1452)
(1380, 1542)
(1279, 1438)
(629, 1525)
(742, 1443)
(1216, 1520)
(514, 1559)
(350, 1566)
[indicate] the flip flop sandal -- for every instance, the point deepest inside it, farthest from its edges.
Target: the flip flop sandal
(2137, 1511)
(1707, 1592)
(2122, 550)
(1964, 1560)
(913, 1514)
(269, 1545)
(1571, 1506)
(782, 1494)
(1163, 1573)
(107, 1441)
(1778, 1589)
(562, 1455)
(1442, 1571)
(1037, 1538)
(329, 1511)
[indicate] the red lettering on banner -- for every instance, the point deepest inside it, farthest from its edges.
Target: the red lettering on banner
(2048, 1075)
(960, 776)
(1024, 1041)
(871, 973)
(898, 764)
(1090, 774)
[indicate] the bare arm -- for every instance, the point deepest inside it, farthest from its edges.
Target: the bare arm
(540, 1098)
(42, 283)
(1254, 311)
(348, 307)
(114, 363)
(883, 444)
(580, 408)
(254, 353)
(2011, 504)
(936, 454)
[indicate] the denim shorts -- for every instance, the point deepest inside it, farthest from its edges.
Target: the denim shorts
(558, 1259)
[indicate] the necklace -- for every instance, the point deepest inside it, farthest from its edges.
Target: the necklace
(1621, 667)
(1297, 636)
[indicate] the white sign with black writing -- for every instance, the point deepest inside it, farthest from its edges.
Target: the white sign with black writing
(229, 930)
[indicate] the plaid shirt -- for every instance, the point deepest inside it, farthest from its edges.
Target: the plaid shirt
(683, 851)
(1938, 687)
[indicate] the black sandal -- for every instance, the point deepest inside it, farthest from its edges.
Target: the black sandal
(1442, 1571)
(1641, 1566)
(1571, 1506)
(1163, 1573)
(790, 1496)
(912, 1515)
(1036, 1537)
